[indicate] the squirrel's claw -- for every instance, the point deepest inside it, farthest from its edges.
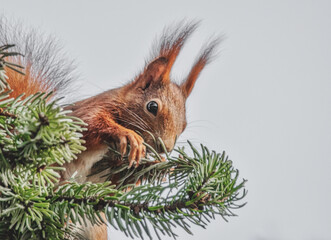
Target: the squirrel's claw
(123, 145)
(137, 149)
(141, 153)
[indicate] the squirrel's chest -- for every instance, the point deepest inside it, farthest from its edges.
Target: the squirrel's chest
(84, 163)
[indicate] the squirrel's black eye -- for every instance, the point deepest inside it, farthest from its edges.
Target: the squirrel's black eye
(152, 107)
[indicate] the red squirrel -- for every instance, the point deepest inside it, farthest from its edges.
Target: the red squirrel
(150, 102)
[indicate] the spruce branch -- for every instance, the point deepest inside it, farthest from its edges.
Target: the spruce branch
(196, 188)
(37, 137)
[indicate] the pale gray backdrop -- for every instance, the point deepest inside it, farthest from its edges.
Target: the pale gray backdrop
(266, 100)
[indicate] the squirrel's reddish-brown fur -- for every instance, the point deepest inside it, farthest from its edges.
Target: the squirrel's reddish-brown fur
(116, 115)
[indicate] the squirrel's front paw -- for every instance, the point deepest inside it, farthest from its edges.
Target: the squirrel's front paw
(137, 148)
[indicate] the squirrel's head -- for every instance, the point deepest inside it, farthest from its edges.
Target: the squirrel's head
(155, 106)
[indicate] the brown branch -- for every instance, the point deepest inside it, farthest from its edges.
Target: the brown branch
(6, 114)
(135, 207)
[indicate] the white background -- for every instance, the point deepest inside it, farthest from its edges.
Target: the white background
(265, 100)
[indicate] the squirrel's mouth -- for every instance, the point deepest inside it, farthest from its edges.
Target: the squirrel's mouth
(155, 143)
(155, 147)
(161, 146)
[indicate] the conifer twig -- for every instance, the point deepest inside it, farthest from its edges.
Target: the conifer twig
(36, 138)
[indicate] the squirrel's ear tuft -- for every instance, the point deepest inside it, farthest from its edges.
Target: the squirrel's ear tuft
(165, 52)
(206, 56)
(171, 42)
